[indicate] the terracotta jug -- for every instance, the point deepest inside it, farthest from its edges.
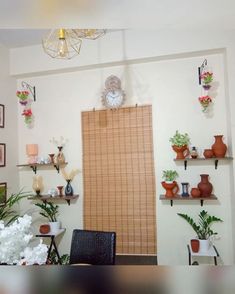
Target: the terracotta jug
(205, 186)
(181, 152)
(171, 188)
(219, 148)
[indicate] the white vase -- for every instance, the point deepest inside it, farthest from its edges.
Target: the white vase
(55, 226)
(205, 245)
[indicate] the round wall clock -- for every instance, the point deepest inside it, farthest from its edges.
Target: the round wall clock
(113, 96)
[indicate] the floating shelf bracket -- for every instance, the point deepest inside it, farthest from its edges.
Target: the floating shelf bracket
(32, 89)
(57, 167)
(34, 168)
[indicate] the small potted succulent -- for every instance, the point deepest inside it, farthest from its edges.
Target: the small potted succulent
(169, 183)
(180, 144)
(202, 228)
(50, 211)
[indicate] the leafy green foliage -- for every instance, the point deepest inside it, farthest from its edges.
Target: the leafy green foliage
(169, 175)
(49, 210)
(203, 227)
(180, 139)
(53, 259)
(7, 213)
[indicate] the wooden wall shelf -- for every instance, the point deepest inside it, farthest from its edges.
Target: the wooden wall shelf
(189, 198)
(202, 159)
(46, 198)
(35, 166)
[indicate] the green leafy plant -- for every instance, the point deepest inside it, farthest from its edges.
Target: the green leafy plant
(203, 228)
(169, 175)
(49, 210)
(180, 139)
(53, 259)
(7, 213)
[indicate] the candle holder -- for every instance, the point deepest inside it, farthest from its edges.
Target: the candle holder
(185, 190)
(52, 156)
(60, 189)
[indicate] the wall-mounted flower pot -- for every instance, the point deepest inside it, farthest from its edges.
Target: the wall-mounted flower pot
(195, 245)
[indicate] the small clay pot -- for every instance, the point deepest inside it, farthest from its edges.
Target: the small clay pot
(195, 192)
(208, 153)
(195, 245)
(44, 229)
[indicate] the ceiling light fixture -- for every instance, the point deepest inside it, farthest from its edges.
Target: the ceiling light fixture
(65, 44)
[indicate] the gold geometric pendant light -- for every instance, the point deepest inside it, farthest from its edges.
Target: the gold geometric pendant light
(66, 43)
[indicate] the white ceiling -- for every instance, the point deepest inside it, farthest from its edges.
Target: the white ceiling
(25, 21)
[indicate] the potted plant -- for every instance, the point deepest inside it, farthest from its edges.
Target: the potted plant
(207, 78)
(180, 144)
(23, 97)
(169, 183)
(202, 228)
(50, 211)
(205, 102)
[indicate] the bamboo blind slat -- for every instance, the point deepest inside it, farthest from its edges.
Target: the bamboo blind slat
(119, 181)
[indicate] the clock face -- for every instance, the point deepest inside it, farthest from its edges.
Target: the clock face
(113, 98)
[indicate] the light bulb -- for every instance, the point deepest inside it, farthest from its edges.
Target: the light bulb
(62, 48)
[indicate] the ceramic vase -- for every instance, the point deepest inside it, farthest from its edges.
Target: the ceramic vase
(171, 188)
(195, 192)
(205, 186)
(181, 152)
(195, 245)
(68, 189)
(219, 148)
(208, 153)
(60, 159)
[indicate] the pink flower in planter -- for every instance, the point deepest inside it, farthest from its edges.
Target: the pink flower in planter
(205, 102)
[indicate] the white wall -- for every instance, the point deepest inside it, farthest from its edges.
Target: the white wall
(162, 70)
(8, 134)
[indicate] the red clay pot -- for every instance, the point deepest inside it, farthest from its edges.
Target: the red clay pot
(205, 186)
(171, 188)
(44, 229)
(195, 245)
(181, 152)
(219, 148)
(208, 153)
(195, 192)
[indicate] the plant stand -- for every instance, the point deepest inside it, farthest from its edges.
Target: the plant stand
(212, 252)
(52, 236)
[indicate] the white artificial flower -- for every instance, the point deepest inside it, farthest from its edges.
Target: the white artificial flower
(14, 241)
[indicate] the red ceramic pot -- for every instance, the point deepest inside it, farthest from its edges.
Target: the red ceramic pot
(219, 148)
(208, 153)
(195, 245)
(171, 188)
(195, 192)
(44, 229)
(205, 186)
(181, 152)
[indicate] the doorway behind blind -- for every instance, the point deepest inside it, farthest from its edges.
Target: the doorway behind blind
(119, 180)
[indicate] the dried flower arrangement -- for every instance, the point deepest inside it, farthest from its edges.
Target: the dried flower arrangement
(60, 142)
(69, 176)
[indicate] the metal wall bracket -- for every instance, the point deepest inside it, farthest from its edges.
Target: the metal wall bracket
(200, 69)
(32, 89)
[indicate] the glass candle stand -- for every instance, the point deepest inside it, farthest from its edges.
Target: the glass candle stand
(185, 190)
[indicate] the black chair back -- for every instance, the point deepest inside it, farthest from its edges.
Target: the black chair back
(93, 247)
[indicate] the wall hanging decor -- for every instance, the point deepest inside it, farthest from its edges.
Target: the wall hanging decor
(205, 76)
(2, 115)
(3, 193)
(2, 154)
(26, 101)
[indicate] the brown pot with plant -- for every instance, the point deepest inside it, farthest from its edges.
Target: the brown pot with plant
(180, 144)
(170, 185)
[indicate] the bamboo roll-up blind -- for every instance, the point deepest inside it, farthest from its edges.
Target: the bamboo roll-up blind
(119, 182)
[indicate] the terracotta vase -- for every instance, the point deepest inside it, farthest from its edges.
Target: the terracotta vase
(181, 152)
(195, 192)
(195, 245)
(219, 148)
(205, 186)
(44, 229)
(208, 153)
(171, 188)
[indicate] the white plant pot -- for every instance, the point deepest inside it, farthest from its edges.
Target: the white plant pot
(205, 245)
(55, 226)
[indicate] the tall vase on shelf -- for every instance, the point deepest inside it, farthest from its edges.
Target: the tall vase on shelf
(68, 188)
(205, 186)
(219, 147)
(60, 159)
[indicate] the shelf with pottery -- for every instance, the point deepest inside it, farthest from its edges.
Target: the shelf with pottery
(34, 166)
(201, 159)
(187, 198)
(46, 198)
